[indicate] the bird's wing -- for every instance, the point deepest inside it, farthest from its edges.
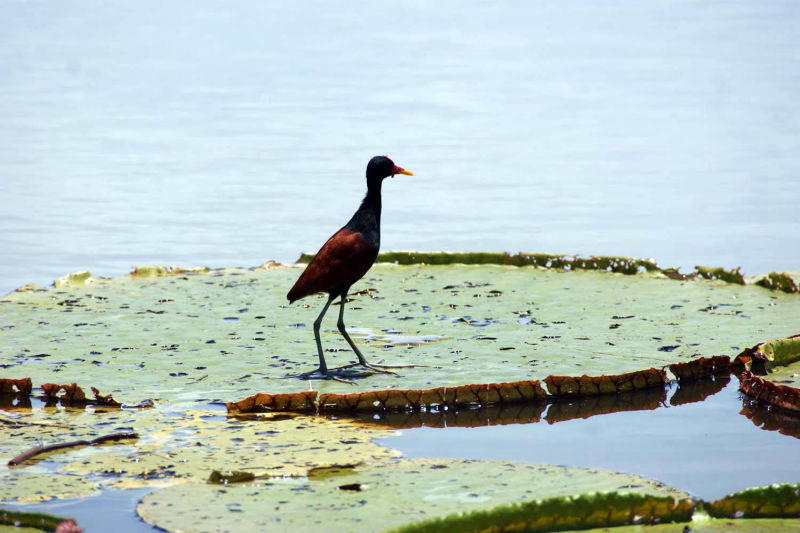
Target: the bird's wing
(343, 259)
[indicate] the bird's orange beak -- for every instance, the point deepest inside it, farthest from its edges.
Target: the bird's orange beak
(400, 170)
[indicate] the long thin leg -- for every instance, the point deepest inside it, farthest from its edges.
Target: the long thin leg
(340, 324)
(323, 368)
(361, 360)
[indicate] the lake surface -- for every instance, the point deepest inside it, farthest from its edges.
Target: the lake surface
(205, 133)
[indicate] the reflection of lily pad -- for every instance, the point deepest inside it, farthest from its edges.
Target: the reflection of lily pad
(224, 335)
(374, 498)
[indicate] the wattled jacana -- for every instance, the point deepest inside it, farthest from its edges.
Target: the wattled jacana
(346, 257)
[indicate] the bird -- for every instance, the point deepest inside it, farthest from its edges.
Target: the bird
(344, 259)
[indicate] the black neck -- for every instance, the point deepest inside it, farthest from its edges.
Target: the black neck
(367, 220)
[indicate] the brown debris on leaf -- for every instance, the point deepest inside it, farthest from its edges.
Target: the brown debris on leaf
(15, 387)
(73, 394)
(594, 385)
(259, 403)
(224, 477)
(104, 400)
(765, 391)
(703, 367)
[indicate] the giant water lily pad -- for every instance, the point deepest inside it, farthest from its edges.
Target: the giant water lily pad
(174, 447)
(226, 334)
(378, 497)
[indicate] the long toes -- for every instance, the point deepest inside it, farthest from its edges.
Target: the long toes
(318, 374)
(379, 365)
(379, 369)
(363, 365)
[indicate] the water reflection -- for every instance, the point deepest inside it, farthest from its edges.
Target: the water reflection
(697, 391)
(552, 411)
(771, 418)
(9, 402)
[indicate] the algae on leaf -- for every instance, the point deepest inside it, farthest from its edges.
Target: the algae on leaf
(380, 496)
(563, 514)
(780, 281)
(773, 501)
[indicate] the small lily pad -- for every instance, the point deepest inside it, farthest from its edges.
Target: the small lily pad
(390, 494)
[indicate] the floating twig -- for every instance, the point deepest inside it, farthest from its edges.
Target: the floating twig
(38, 450)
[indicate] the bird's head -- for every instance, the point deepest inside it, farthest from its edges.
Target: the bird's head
(381, 167)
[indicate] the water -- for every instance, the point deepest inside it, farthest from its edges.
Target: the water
(200, 133)
(702, 447)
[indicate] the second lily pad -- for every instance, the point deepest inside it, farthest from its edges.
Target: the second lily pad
(378, 497)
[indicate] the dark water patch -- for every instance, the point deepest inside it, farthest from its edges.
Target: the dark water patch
(703, 438)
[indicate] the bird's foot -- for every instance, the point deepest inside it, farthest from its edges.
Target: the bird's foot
(375, 368)
(332, 374)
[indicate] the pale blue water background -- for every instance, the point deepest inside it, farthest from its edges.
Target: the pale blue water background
(221, 134)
